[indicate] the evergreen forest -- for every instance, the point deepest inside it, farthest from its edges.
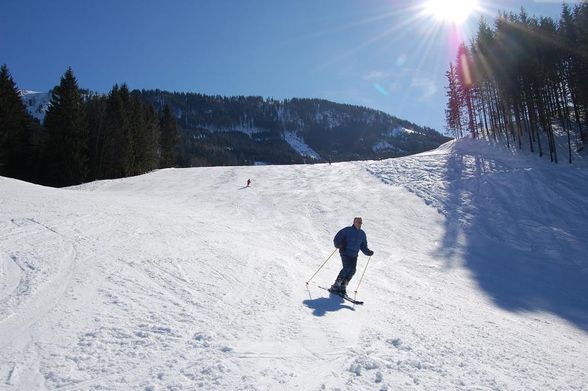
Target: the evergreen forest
(524, 80)
(84, 136)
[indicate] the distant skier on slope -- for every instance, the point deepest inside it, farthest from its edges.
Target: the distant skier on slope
(349, 241)
(248, 182)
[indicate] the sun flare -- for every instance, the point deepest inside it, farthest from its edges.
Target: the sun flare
(455, 11)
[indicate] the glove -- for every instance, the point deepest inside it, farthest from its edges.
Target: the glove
(370, 253)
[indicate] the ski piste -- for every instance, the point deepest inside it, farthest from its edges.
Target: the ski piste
(349, 299)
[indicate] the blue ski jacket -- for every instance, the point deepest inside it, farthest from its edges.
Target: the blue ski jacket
(350, 240)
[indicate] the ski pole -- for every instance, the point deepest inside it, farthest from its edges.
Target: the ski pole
(362, 274)
(320, 267)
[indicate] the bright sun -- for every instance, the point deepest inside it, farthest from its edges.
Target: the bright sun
(456, 11)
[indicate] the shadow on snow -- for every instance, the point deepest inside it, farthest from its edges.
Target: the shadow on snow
(524, 234)
(322, 305)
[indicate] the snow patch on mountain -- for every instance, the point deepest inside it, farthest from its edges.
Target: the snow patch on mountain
(297, 143)
(400, 131)
(36, 103)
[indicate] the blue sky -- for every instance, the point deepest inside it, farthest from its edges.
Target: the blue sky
(381, 54)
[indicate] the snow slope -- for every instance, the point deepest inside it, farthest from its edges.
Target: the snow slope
(297, 143)
(184, 279)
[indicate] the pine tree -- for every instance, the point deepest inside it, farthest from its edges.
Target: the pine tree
(145, 130)
(96, 115)
(454, 105)
(169, 138)
(15, 133)
(465, 85)
(127, 141)
(581, 45)
(116, 153)
(66, 149)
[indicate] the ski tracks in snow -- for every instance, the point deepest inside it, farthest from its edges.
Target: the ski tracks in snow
(179, 280)
(43, 277)
(38, 264)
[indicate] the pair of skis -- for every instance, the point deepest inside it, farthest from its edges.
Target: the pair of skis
(344, 296)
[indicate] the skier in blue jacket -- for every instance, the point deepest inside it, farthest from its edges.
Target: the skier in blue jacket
(349, 241)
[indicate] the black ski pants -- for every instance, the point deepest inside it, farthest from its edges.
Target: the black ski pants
(349, 266)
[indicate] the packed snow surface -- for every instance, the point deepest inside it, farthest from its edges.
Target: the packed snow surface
(185, 279)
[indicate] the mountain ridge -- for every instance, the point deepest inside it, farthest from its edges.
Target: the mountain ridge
(244, 130)
(332, 131)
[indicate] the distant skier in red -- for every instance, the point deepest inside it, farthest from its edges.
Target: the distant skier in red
(248, 182)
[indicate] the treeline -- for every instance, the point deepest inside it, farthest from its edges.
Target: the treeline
(84, 136)
(523, 80)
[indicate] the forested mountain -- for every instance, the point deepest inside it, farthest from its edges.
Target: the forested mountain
(72, 135)
(245, 130)
(218, 130)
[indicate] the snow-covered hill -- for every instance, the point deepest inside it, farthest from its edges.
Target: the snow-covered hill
(184, 279)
